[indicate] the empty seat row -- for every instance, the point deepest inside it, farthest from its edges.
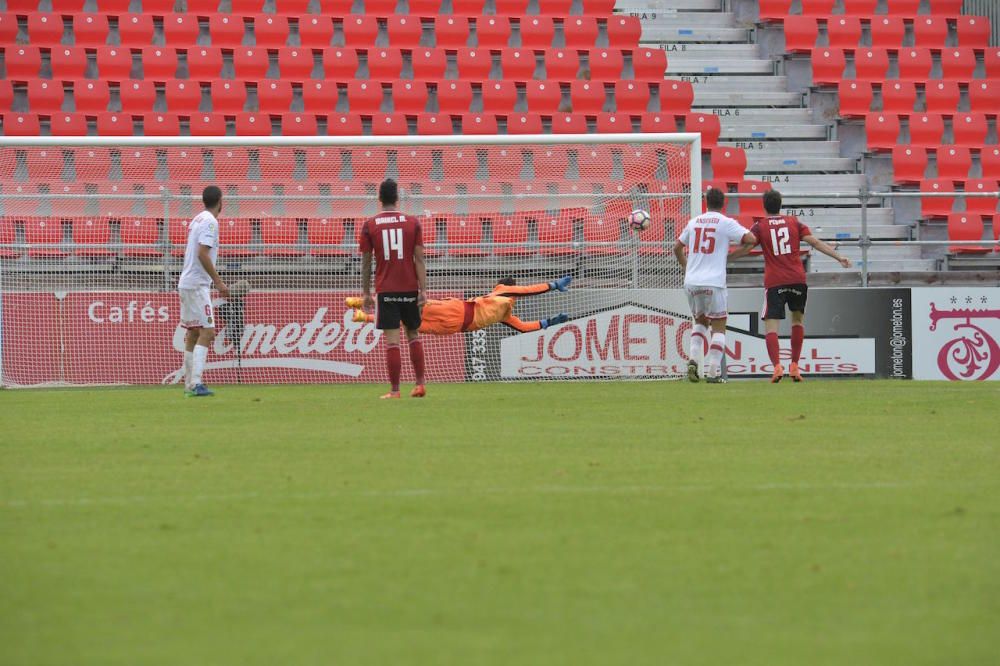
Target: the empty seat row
(883, 130)
(911, 164)
(857, 98)
(943, 206)
(160, 63)
(779, 10)
(802, 32)
(911, 64)
(272, 31)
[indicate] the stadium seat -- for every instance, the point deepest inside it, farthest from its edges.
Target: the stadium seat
(555, 235)
(499, 96)
(136, 30)
(464, 230)
(984, 97)
(801, 33)
(899, 97)
(580, 32)
(159, 63)
(926, 129)
(291, 7)
(43, 231)
(91, 237)
(228, 96)
(571, 123)
(479, 123)
(524, 123)
(380, 7)
(6, 94)
(21, 124)
(45, 96)
(137, 163)
(936, 207)
(543, 96)
(8, 28)
(492, 31)
(608, 123)
(562, 64)
(657, 121)
(991, 60)
(984, 206)
(409, 96)
(505, 163)
(559, 8)
(882, 130)
(821, 8)
(44, 29)
(602, 235)
(909, 164)
(855, 98)
(428, 63)
(204, 62)
(966, 227)
(23, 62)
(828, 66)
(473, 64)
(887, 31)
(860, 8)
(226, 30)
(180, 29)
(454, 96)
(137, 232)
(177, 233)
(930, 31)
(339, 63)
(90, 29)
(364, 96)
(989, 159)
(235, 234)
(953, 162)
(343, 124)
(969, 130)
(326, 232)
(631, 96)
(649, 64)
(706, 124)
(871, 64)
(137, 96)
(185, 164)
(941, 96)
(958, 64)
(274, 96)
(68, 124)
(295, 63)
(914, 64)
(91, 163)
(466, 7)
(774, 10)
(623, 31)
(321, 96)
(728, 164)
(249, 123)
(901, 8)
(68, 62)
(434, 124)
(537, 32)
(605, 64)
(208, 124)
(587, 96)
(360, 31)
(450, 31)
(753, 203)
(315, 31)
(44, 164)
(844, 32)
(517, 64)
(183, 96)
(159, 7)
(676, 96)
(335, 7)
(283, 232)
(161, 124)
(945, 7)
(973, 31)
(384, 63)
(270, 30)
(389, 124)
(298, 124)
(250, 63)
(404, 30)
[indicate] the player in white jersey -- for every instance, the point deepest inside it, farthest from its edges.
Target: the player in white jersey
(707, 239)
(196, 279)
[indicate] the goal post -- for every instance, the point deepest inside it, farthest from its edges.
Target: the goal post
(93, 229)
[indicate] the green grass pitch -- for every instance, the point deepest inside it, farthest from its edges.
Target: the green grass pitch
(836, 522)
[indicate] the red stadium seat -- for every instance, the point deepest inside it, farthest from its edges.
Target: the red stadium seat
(537, 32)
(180, 29)
(177, 233)
(76, 202)
(909, 164)
(226, 30)
(984, 206)
(706, 124)
(518, 64)
(321, 96)
(274, 96)
(90, 29)
(295, 63)
(467, 7)
(606, 64)
(953, 162)
(559, 8)
(902, 8)
(555, 235)
(571, 123)
(91, 237)
(499, 96)
(973, 31)
(828, 66)
(384, 63)
(6, 94)
(479, 123)
(92, 164)
(281, 232)
(958, 64)
(161, 124)
(966, 227)
(464, 230)
(930, 31)
(676, 96)
(340, 63)
(68, 124)
(159, 62)
(389, 124)
(855, 98)
(562, 64)
(753, 203)
(728, 164)
(44, 164)
(926, 129)
(135, 30)
(203, 7)
(822, 8)
(8, 28)
(114, 62)
(454, 96)
(587, 96)
(335, 7)
(404, 30)
(860, 8)
(360, 31)
(21, 124)
(543, 96)
(159, 7)
(235, 235)
(524, 123)
(989, 159)
(898, 97)
(42, 231)
(882, 130)
(649, 64)
(510, 234)
(23, 62)
(946, 7)
(991, 60)
(887, 31)
(434, 124)
(936, 207)
(137, 232)
(44, 28)
(204, 62)
(474, 64)
(253, 124)
(271, 30)
(984, 96)
(137, 163)
(228, 96)
(185, 164)
(137, 96)
(409, 96)
(315, 31)
(492, 31)
(182, 96)
(602, 235)
(657, 121)
(250, 63)
(871, 64)
(914, 64)
(844, 32)
(801, 33)
(380, 7)
(942, 96)
(45, 96)
(208, 124)
(580, 32)
(970, 130)
(429, 63)
(326, 232)
(364, 96)
(343, 124)
(68, 62)
(774, 10)
(298, 124)
(451, 31)
(231, 164)
(623, 31)
(426, 7)
(631, 96)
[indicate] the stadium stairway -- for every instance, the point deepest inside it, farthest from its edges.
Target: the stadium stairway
(787, 143)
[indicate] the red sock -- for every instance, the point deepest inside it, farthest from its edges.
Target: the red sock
(772, 347)
(394, 364)
(417, 359)
(798, 332)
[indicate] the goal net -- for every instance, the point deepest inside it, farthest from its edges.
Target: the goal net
(92, 236)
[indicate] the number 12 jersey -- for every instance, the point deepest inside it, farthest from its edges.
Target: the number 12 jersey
(390, 237)
(779, 237)
(707, 238)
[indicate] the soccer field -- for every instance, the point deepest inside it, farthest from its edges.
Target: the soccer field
(829, 522)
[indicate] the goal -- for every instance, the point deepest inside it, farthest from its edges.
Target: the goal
(92, 234)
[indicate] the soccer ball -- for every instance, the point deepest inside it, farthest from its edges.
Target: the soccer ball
(639, 220)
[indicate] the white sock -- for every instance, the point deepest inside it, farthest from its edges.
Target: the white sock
(699, 340)
(715, 352)
(188, 368)
(200, 354)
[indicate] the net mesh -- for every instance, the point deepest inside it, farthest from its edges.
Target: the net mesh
(92, 240)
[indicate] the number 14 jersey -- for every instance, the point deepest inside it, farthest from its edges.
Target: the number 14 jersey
(707, 238)
(779, 237)
(390, 237)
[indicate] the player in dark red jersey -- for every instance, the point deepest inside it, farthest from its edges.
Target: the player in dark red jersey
(397, 244)
(779, 237)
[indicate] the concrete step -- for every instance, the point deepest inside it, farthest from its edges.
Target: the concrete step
(822, 264)
(696, 33)
(718, 51)
(817, 183)
(742, 99)
(853, 232)
(664, 6)
(735, 130)
(675, 20)
(677, 66)
(800, 164)
(784, 148)
(762, 116)
(818, 217)
(741, 85)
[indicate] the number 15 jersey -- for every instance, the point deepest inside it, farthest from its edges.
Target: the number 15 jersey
(779, 237)
(390, 237)
(707, 238)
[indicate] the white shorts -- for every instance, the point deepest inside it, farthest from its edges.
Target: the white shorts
(708, 301)
(196, 308)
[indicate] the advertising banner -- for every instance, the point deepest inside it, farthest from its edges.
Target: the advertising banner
(956, 333)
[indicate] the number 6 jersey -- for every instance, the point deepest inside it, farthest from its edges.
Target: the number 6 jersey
(391, 236)
(707, 238)
(779, 237)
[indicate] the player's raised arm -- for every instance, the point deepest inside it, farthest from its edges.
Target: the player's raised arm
(827, 250)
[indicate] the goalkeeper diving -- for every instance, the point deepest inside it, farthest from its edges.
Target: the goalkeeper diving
(454, 315)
